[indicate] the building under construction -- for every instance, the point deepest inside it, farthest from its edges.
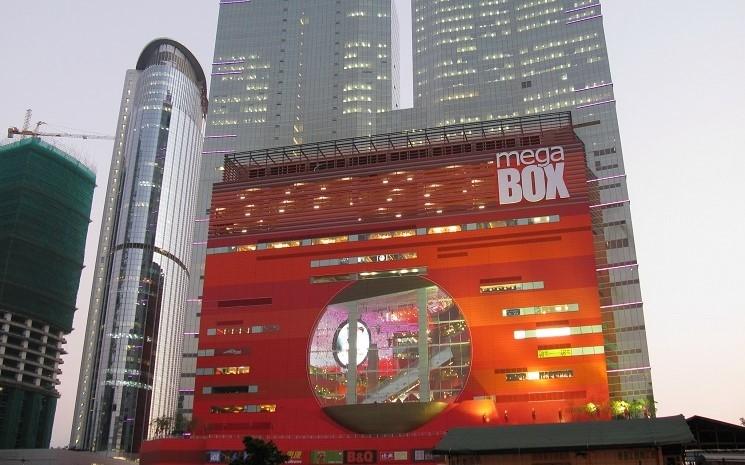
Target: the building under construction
(45, 205)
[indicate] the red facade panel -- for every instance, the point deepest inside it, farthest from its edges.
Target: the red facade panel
(471, 305)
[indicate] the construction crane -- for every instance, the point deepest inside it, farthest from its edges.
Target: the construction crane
(35, 133)
(15, 131)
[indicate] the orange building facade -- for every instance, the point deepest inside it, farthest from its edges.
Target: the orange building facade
(364, 296)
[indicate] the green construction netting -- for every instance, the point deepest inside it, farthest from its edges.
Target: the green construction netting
(45, 204)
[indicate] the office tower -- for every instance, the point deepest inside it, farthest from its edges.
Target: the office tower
(286, 72)
(129, 371)
(479, 60)
(472, 61)
(45, 204)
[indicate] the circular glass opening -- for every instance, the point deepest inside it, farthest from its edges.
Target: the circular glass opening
(411, 345)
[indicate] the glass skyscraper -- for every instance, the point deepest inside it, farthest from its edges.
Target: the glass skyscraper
(129, 371)
(290, 72)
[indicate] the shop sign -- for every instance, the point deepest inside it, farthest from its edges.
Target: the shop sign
(296, 456)
(360, 456)
(532, 175)
(426, 455)
(326, 456)
(389, 456)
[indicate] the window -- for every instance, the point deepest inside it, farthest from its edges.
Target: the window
(557, 332)
(386, 234)
(238, 330)
(363, 259)
(249, 389)
(570, 351)
(242, 370)
(538, 375)
(509, 287)
(418, 271)
(542, 310)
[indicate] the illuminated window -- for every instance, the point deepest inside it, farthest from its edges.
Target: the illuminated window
(539, 375)
(444, 229)
(571, 351)
(329, 240)
(509, 287)
(363, 259)
(232, 370)
(239, 330)
(557, 332)
(542, 310)
(387, 234)
(283, 244)
(419, 271)
(262, 408)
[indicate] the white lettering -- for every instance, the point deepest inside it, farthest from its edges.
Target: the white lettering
(557, 154)
(509, 186)
(527, 157)
(542, 177)
(533, 183)
(555, 182)
(506, 156)
(541, 157)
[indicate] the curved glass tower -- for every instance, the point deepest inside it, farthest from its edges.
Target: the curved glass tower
(130, 368)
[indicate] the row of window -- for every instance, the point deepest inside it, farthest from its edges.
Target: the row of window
(238, 330)
(386, 234)
(258, 408)
(213, 352)
(557, 332)
(571, 351)
(509, 287)
(248, 389)
(539, 375)
(420, 271)
(240, 370)
(541, 310)
(377, 258)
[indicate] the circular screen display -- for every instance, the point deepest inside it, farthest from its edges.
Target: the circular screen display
(341, 343)
(411, 344)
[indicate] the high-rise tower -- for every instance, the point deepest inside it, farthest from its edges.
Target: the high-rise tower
(286, 73)
(129, 372)
(480, 60)
(303, 72)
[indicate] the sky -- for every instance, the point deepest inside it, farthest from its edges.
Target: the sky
(677, 66)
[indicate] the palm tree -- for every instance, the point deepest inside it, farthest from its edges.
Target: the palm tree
(163, 426)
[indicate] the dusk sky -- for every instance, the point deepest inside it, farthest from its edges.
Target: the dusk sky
(677, 66)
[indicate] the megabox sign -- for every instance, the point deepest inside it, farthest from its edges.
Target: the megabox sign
(532, 175)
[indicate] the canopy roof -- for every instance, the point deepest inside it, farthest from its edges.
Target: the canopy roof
(566, 436)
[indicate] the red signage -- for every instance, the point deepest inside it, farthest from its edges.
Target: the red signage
(360, 456)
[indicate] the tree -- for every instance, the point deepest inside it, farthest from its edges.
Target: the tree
(163, 426)
(742, 421)
(259, 452)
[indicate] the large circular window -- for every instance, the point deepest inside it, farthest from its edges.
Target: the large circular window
(410, 343)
